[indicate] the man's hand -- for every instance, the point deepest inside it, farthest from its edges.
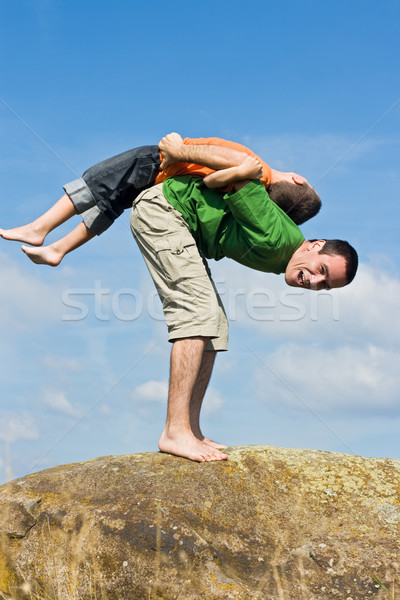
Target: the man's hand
(170, 148)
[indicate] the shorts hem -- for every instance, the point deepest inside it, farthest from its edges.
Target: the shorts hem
(214, 343)
(192, 332)
(80, 195)
(95, 220)
(217, 346)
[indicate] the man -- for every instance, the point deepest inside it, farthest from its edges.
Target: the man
(177, 223)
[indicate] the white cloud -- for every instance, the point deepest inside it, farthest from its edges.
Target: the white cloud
(63, 363)
(344, 379)
(340, 352)
(58, 401)
(17, 427)
(213, 401)
(26, 301)
(152, 391)
(369, 307)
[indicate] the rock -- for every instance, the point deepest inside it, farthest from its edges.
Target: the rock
(268, 524)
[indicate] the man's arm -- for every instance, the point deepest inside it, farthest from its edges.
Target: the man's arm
(173, 150)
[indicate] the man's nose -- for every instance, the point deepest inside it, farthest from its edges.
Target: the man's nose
(317, 279)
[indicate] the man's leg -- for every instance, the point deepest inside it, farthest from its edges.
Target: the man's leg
(199, 391)
(177, 437)
(192, 311)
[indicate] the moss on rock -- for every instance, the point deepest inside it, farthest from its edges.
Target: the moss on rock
(268, 524)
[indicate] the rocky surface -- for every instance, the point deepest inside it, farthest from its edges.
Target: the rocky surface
(268, 524)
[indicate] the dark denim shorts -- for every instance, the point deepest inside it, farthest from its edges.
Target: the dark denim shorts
(105, 190)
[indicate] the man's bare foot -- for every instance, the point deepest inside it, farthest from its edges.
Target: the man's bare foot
(46, 255)
(197, 433)
(26, 233)
(214, 444)
(188, 446)
(202, 438)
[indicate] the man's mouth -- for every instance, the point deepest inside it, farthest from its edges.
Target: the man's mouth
(300, 279)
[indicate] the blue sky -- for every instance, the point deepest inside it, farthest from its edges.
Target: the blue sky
(311, 87)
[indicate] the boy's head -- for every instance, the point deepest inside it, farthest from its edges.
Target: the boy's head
(300, 201)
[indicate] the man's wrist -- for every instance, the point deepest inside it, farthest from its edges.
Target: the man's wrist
(180, 154)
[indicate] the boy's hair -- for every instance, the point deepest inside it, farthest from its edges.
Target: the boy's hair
(300, 202)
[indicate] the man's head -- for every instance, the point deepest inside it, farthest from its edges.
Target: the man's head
(293, 194)
(322, 264)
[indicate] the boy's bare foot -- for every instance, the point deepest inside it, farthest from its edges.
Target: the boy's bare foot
(26, 233)
(46, 255)
(188, 446)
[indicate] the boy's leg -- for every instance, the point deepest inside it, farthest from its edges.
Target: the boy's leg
(106, 189)
(101, 195)
(52, 255)
(35, 232)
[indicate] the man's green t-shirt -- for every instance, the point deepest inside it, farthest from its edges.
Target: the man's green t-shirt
(246, 226)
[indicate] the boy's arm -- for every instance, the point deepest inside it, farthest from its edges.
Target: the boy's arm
(250, 168)
(173, 150)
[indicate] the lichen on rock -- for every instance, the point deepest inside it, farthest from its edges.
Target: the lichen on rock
(268, 524)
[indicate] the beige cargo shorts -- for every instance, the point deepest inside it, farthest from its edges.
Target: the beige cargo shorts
(191, 304)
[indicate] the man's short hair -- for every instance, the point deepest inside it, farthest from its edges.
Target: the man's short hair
(342, 248)
(300, 202)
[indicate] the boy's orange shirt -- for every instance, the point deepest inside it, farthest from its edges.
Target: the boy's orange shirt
(183, 168)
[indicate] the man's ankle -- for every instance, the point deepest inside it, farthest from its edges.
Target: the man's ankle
(173, 431)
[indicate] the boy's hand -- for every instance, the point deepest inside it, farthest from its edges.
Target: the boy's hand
(170, 147)
(250, 168)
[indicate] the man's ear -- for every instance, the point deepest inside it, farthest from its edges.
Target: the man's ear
(317, 245)
(298, 179)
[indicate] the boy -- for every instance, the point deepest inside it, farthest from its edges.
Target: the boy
(108, 188)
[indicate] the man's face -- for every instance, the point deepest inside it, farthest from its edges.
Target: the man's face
(313, 271)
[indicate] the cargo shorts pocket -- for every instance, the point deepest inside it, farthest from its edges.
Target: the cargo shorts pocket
(179, 258)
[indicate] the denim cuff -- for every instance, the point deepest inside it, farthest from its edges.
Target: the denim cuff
(95, 220)
(80, 195)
